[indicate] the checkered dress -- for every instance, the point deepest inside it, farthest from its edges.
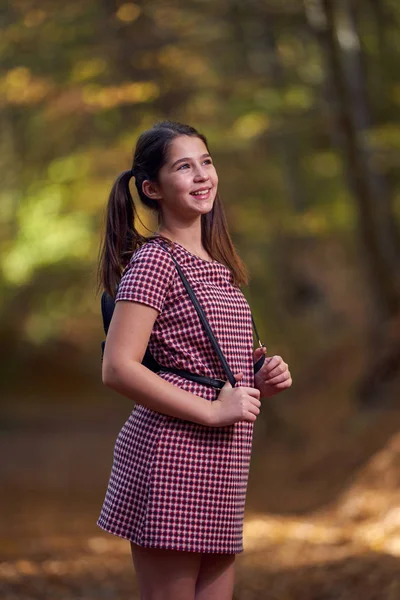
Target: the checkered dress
(174, 483)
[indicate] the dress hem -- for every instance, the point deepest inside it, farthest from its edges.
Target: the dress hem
(168, 547)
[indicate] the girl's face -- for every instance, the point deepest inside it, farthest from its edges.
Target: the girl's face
(187, 183)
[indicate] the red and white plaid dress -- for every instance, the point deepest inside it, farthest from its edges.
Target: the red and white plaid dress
(176, 484)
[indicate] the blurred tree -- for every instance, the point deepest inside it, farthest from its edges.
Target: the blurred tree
(348, 100)
(78, 85)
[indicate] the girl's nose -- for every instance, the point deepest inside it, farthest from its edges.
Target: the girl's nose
(201, 173)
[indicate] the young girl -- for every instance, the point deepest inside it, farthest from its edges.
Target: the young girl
(179, 478)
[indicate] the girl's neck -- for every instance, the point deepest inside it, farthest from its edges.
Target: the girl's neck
(189, 239)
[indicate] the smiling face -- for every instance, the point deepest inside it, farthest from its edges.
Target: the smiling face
(187, 182)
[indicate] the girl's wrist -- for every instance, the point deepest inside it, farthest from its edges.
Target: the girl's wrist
(209, 414)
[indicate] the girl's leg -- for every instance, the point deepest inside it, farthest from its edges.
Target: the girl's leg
(216, 577)
(165, 574)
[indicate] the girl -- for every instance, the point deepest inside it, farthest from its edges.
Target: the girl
(179, 477)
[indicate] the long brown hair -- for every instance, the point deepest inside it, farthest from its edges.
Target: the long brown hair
(121, 237)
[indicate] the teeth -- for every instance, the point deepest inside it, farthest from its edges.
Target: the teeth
(200, 193)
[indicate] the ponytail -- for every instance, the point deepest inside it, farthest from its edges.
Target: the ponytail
(121, 238)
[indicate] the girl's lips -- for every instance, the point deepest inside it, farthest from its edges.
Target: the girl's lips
(202, 195)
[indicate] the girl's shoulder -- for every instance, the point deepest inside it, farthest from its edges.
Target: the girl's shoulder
(147, 277)
(152, 249)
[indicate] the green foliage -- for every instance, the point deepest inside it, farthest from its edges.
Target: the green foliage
(46, 235)
(80, 82)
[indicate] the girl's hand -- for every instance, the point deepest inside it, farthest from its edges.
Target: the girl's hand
(273, 377)
(235, 404)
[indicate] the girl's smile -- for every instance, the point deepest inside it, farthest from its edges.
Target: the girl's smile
(203, 193)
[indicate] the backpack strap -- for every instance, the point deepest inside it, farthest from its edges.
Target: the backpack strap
(208, 330)
(205, 324)
(107, 309)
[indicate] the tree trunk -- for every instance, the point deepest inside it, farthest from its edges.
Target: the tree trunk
(355, 68)
(286, 146)
(378, 263)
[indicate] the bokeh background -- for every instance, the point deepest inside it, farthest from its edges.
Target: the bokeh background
(300, 103)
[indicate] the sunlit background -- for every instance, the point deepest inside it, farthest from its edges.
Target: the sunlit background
(300, 103)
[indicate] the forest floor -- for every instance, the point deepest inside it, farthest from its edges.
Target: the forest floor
(322, 530)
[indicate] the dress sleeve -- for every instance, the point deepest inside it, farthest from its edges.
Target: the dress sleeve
(147, 277)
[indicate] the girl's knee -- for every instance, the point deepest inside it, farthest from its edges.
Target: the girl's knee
(165, 574)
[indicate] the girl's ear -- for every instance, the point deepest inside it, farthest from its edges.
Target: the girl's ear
(151, 190)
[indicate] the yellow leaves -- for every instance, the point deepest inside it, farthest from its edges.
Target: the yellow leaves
(88, 69)
(366, 514)
(298, 97)
(128, 12)
(97, 561)
(268, 531)
(26, 567)
(392, 546)
(382, 535)
(250, 125)
(377, 535)
(362, 504)
(19, 86)
(55, 567)
(14, 570)
(371, 535)
(98, 97)
(98, 545)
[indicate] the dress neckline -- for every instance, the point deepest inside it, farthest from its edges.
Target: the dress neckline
(210, 262)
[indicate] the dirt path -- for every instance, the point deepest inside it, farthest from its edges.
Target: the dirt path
(55, 478)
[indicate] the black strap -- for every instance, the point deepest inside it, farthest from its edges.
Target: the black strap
(255, 329)
(260, 362)
(203, 379)
(108, 304)
(206, 324)
(209, 331)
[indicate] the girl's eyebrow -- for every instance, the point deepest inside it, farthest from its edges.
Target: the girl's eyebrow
(187, 158)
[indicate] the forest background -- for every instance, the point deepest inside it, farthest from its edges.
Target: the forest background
(300, 103)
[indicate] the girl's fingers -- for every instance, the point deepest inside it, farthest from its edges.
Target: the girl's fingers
(278, 379)
(276, 365)
(284, 384)
(255, 410)
(276, 372)
(260, 351)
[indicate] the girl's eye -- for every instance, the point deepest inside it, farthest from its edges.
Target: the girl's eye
(208, 161)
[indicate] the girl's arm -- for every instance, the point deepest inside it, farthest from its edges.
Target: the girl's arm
(122, 369)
